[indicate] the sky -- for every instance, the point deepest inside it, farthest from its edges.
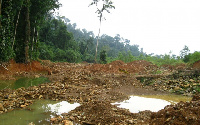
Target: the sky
(157, 26)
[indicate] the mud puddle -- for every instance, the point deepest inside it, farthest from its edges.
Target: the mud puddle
(153, 103)
(40, 112)
(22, 82)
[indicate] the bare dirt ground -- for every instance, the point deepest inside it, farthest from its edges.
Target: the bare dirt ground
(96, 86)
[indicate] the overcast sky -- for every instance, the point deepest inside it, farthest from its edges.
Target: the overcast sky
(157, 26)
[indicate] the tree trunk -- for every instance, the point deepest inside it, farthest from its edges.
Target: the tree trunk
(32, 43)
(27, 32)
(0, 12)
(97, 46)
(16, 27)
(36, 38)
(98, 40)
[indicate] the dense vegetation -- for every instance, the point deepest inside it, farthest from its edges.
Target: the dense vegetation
(62, 41)
(30, 31)
(20, 21)
(81, 43)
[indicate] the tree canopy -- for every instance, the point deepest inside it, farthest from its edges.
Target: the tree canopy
(20, 21)
(29, 31)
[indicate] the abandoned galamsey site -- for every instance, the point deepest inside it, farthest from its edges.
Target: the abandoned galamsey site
(97, 86)
(53, 73)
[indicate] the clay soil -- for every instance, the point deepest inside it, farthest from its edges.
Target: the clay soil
(95, 87)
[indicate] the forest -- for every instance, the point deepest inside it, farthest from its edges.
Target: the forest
(30, 31)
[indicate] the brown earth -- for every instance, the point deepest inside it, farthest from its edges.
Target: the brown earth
(95, 87)
(10, 69)
(135, 67)
(187, 113)
(196, 65)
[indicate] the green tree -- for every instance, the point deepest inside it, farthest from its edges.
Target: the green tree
(6, 28)
(58, 43)
(27, 31)
(0, 12)
(19, 22)
(74, 56)
(103, 57)
(195, 57)
(46, 52)
(192, 57)
(185, 51)
(186, 58)
(106, 5)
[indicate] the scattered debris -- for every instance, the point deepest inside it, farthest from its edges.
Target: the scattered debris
(96, 86)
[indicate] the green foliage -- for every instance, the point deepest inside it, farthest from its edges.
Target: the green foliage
(112, 45)
(57, 43)
(158, 72)
(185, 51)
(88, 57)
(110, 59)
(103, 57)
(157, 60)
(74, 56)
(106, 5)
(6, 27)
(195, 57)
(60, 55)
(46, 51)
(22, 20)
(126, 56)
(19, 24)
(192, 57)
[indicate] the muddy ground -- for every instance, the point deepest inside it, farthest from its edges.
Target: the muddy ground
(96, 86)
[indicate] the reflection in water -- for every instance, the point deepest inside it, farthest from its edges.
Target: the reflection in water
(22, 82)
(40, 113)
(173, 99)
(62, 107)
(137, 103)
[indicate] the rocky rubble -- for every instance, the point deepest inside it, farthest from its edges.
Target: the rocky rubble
(183, 113)
(119, 67)
(181, 84)
(97, 112)
(101, 113)
(96, 86)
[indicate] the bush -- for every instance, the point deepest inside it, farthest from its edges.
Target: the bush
(46, 52)
(103, 57)
(72, 56)
(192, 57)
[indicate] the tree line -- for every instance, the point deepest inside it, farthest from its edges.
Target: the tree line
(30, 31)
(81, 46)
(20, 21)
(61, 40)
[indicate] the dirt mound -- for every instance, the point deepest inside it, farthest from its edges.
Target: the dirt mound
(117, 63)
(11, 68)
(187, 113)
(97, 112)
(112, 67)
(181, 66)
(196, 65)
(101, 113)
(121, 67)
(142, 66)
(168, 67)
